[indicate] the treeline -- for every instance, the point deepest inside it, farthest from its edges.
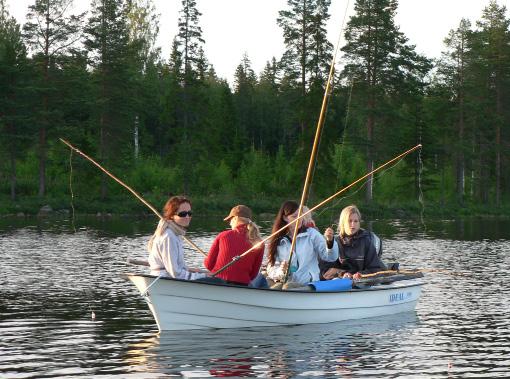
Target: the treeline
(171, 125)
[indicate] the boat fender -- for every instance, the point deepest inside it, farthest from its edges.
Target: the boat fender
(343, 284)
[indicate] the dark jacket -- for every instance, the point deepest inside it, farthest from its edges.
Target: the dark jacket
(356, 254)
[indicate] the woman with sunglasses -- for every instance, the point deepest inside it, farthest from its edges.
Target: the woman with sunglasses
(244, 234)
(310, 246)
(166, 254)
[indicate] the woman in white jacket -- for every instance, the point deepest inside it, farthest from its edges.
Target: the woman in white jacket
(166, 254)
(310, 246)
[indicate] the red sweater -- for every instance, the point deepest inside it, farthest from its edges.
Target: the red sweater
(226, 246)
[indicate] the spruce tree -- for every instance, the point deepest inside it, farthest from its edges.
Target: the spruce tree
(494, 53)
(268, 107)
(13, 81)
(453, 74)
(245, 81)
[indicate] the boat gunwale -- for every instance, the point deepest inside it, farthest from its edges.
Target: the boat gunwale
(417, 282)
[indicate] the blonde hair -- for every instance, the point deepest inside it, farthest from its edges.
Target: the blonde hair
(307, 219)
(253, 231)
(343, 221)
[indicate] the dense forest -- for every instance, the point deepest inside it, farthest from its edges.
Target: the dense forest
(168, 125)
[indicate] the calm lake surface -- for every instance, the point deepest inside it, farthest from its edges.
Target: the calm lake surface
(52, 279)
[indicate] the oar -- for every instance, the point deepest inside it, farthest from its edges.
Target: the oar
(129, 189)
(235, 259)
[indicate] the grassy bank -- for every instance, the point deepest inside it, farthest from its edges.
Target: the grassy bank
(128, 205)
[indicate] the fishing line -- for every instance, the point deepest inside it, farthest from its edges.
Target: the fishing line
(344, 135)
(331, 83)
(71, 187)
(420, 191)
(89, 297)
(359, 188)
(129, 189)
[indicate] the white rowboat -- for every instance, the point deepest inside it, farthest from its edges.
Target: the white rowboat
(183, 305)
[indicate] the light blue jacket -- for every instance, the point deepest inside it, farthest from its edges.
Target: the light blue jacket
(310, 245)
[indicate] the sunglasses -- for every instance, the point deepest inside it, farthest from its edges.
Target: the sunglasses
(185, 213)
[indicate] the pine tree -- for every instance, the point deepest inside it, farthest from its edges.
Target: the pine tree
(308, 53)
(111, 56)
(190, 39)
(50, 31)
(143, 26)
(382, 66)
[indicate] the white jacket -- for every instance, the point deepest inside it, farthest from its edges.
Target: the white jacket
(166, 257)
(310, 245)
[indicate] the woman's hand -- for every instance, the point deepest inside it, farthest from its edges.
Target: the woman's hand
(329, 234)
(357, 275)
(347, 275)
(331, 273)
(284, 265)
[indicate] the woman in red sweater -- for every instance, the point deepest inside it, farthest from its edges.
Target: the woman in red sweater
(232, 243)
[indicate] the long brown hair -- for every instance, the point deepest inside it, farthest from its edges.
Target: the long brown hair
(172, 205)
(169, 210)
(287, 208)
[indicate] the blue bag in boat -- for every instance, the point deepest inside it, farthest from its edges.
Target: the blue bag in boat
(343, 284)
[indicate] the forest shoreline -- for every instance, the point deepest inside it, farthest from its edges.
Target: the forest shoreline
(264, 205)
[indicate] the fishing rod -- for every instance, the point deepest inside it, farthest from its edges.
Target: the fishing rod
(236, 258)
(130, 190)
(313, 154)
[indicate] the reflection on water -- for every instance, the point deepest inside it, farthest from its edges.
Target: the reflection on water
(51, 280)
(280, 352)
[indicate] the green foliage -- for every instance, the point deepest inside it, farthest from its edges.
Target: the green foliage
(151, 175)
(172, 126)
(348, 164)
(254, 174)
(211, 178)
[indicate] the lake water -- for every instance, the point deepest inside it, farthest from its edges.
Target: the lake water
(52, 279)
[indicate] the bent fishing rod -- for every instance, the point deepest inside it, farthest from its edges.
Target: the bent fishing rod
(237, 258)
(129, 189)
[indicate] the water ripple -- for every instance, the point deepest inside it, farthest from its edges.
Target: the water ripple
(52, 281)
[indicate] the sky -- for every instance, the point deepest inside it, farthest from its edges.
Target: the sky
(234, 27)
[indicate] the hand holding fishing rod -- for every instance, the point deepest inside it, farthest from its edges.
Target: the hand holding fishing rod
(129, 189)
(321, 204)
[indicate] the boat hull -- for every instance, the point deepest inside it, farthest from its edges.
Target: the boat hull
(184, 305)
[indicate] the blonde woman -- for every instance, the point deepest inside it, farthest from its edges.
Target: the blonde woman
(244, 234)
(357, 254)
